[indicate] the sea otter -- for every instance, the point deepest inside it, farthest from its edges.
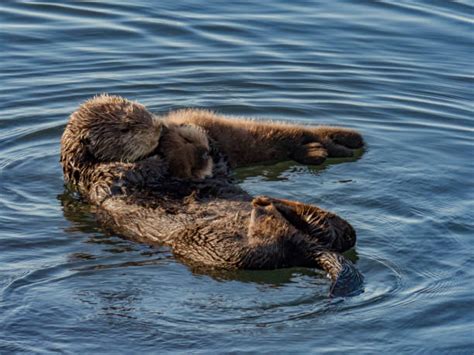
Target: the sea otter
(118, 156)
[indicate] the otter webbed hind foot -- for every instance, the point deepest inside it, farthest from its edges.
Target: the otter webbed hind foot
(347, 281)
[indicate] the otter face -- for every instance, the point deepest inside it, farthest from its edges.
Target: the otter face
(114, 129)
(186, 149)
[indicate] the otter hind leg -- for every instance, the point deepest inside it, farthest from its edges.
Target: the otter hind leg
(289, 220)
(325, 229)
(346, 279)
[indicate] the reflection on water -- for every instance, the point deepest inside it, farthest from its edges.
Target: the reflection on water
(282, 170)
(401, 73)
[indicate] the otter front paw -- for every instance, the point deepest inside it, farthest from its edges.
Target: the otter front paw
(310, 153)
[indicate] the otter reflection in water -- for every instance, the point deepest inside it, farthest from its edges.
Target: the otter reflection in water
(122, 160)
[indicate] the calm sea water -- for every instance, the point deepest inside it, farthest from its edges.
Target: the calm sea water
(400, 72)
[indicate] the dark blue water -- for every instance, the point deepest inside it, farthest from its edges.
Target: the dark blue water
(400, 72)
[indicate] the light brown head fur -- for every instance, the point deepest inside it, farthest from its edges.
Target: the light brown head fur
(107, 129)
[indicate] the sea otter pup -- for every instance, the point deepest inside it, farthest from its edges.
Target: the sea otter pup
(187, 151)
(246, 142)
(110, 151)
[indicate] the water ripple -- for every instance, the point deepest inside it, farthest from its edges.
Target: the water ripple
(401, 73)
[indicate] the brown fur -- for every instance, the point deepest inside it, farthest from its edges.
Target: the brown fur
(107, 136)
(224, 230)
(209, 222)
(102, 142)
(187, 150)
(247, 142)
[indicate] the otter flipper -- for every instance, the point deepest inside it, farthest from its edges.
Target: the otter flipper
(347, 280)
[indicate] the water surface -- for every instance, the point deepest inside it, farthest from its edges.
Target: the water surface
(400, 72)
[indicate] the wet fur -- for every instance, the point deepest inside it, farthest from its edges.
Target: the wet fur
(210, 222)
(102, 142)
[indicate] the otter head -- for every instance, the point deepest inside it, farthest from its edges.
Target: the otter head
(186, 149)
(107, 129)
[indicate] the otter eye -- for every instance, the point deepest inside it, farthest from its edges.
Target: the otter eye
(205, 155)
(124, 129)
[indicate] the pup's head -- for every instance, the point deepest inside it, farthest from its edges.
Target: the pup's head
(107, 129)
(186, 149)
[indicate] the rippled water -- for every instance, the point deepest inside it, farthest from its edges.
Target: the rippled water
(400, 72)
